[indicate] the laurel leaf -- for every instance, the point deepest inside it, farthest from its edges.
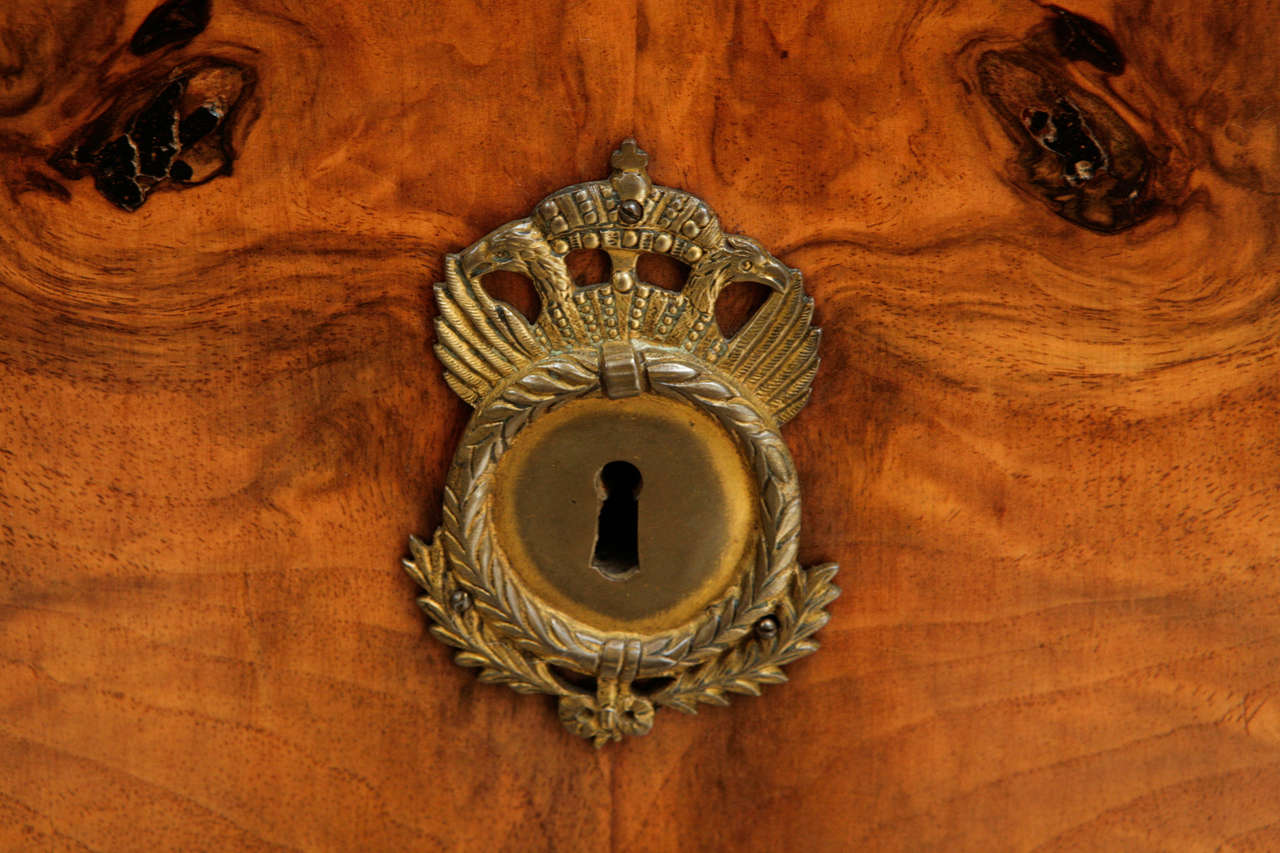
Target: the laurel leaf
(710, 389)
(449, 637)
(514, 424)
(771, 674)
(543, 384)
(714, 698)
(796, 651)
(525, 687)
(739, 412)
(671, 372)
(412, 570)
(432, 608)
(687, 706)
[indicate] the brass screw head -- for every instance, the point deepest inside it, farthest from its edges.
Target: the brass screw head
(767, 628)
(630, 211)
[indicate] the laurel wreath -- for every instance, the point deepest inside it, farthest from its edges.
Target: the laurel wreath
(744, 669)
(499, 594)
(515, 640)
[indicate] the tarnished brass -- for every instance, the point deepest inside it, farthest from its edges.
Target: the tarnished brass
(622, 517)
(695, 516)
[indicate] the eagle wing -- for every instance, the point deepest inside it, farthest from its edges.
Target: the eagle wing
(479, 340)
(775, 354)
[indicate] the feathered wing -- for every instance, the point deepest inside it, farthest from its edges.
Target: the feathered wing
(478, 340)
(775, 354)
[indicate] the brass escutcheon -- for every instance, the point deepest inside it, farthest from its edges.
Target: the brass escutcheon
(622, 516)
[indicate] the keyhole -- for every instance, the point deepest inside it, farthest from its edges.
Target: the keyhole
(616, 555)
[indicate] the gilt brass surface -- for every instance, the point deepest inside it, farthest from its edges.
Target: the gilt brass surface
(696, 510)
(622, 516)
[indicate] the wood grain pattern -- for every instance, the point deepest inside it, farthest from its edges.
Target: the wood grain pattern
(1046, 456)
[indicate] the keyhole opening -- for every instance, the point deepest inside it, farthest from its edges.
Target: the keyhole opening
(616, 554)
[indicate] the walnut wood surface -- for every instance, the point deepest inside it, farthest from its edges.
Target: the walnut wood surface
(1043, 443)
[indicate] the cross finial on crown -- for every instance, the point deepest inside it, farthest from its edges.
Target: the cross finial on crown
(630, 179)
(629, 157)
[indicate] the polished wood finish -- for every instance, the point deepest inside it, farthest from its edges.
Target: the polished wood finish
(1043, 442)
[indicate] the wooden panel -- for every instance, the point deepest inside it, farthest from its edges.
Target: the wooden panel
(1042, 444)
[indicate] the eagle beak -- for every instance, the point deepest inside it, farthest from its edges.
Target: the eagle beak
(475, 260)
(775, 274)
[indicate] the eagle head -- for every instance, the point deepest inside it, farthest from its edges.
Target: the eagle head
(749, 261)
(740, 259)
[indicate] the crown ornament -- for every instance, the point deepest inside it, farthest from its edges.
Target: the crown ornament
(775, 354)
(523, 600)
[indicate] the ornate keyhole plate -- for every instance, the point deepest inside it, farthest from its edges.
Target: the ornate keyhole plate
(622, 515)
